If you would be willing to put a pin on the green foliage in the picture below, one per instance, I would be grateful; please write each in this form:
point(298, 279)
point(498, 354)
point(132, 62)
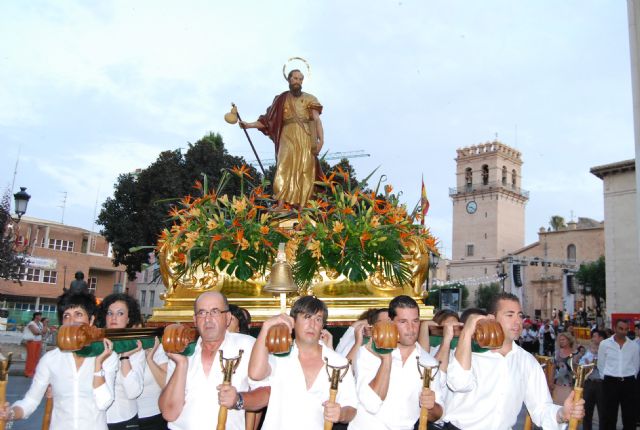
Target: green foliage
point(557, 223)
point(486, 293)
point(593, 276)
point(11, 261)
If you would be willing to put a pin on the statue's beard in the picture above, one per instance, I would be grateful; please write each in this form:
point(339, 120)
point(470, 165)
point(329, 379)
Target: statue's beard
point(296, 89)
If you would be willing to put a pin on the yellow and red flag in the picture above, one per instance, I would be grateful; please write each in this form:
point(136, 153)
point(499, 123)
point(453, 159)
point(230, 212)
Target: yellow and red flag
point(424, 202)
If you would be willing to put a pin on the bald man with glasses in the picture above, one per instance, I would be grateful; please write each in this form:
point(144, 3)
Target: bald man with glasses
point(194, 391)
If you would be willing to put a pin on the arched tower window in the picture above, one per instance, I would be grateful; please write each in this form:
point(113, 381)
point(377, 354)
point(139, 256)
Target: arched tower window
point(571, 252)
point(504, 175)
point(514, 176)
point(485, 174)
point(468, 177)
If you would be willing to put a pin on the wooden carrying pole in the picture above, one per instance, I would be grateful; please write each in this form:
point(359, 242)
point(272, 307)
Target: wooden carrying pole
point(335, 377)
point(229, 366)
point(48, 409)
point(427, 376)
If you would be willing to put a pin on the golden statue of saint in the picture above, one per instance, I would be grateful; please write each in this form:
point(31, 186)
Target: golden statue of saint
point(293, 123)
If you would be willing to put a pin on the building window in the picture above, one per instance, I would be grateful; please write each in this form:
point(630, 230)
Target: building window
point(571, 252)
point(61, 245)
point(32, 275)
point(143, 298)
point(469, 250)
point(485, 174)
point(468, 177)
point(50, 277)
point(513, 178)
point(152, 298)
point(504, 175)
point(93, 284)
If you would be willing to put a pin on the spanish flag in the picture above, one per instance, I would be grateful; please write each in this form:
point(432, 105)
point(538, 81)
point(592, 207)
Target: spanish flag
point(424, 202)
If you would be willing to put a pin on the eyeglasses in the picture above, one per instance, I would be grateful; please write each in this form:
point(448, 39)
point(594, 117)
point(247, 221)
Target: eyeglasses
point(215, 312)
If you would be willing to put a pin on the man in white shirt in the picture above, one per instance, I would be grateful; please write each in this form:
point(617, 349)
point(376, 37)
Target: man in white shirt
point(592, 393)
point(188, 399)
point(490, 387)
point(389, 385)
point(618, 363)
point(82, 387)
point(299, 381)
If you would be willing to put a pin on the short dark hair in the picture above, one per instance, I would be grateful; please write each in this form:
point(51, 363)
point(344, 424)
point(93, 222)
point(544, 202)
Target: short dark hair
point(493, 305)
point(373, 317)
point(291, 73)
point(70, 300)
point(471, 311)
point(133, 309)
point(401, 302)
point(369, 315)
point(309, 305)
point(243, 323)
point(601, 333)
point(443, 314)
point(622, 321)
point(35, 314)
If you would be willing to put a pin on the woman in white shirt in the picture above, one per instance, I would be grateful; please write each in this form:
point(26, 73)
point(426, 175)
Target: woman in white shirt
point(122, 311)
point(82, 387)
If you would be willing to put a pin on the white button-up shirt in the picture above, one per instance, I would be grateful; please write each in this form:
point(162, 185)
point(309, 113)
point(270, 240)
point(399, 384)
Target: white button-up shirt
point(148, 400)
point(347, 341)
point(490, 394)
point(401, 407)
point(201, 405)
point(616, 361)
point(291, 405)
point(127, 390)
point(76, 404)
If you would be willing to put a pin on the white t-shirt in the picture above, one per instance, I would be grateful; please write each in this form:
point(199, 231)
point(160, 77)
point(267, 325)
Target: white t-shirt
point(127, 390)
point(491, 393)
point(76, 404)
point(401, 407)
point(201, 405)
point(291, 405)
point(148, 400)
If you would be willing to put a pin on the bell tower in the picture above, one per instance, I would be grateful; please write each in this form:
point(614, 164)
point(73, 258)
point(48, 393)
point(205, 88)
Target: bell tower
point(488, 210)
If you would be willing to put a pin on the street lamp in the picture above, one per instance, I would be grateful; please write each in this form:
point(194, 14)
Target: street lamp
point(434, 259)
point(21, 202)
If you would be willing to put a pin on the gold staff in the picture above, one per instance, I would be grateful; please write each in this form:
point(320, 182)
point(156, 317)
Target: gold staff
point(582, 373)
point(229, 366)
point(4, 378)
point(336, 376)
point(427, 377)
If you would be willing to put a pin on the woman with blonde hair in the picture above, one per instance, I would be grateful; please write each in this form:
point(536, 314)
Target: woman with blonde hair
point(564, 361)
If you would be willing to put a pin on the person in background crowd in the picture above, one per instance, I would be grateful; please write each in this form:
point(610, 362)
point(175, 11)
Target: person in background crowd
point(32, 335)
point(239, 321)
point(547, 337)
point(619, 363)
point(563, 378)
point(348, 339)
point(593, 385)
point(528, 338)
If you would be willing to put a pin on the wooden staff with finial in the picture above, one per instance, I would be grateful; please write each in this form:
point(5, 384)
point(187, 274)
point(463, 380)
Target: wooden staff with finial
point(4, 379)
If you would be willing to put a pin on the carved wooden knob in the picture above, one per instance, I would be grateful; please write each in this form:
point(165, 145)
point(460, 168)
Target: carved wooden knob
point(385, 335)
point(489, 334)
point(278, 339)
point(177, 337)
point(74, 337)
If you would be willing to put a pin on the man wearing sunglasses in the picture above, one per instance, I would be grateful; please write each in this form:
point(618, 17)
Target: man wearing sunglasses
point(194, 391)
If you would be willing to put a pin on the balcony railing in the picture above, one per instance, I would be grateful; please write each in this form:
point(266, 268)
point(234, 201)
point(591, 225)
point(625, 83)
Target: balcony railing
point(491, 186)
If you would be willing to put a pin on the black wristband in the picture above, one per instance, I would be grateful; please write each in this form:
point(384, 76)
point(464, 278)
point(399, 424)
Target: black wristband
point(124, 358)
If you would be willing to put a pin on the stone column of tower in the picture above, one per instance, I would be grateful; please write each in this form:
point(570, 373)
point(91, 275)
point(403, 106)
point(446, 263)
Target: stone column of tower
point(488, 212)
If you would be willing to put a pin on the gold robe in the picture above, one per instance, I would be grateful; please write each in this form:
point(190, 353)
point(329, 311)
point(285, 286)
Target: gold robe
point(295, 171)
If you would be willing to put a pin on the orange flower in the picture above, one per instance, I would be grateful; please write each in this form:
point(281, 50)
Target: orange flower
point(226, 255)
point(212, 224)
point(375, 221)
point(252, 213)
point(197, 185)
point(181, 257)
point(348, 211)
point(388, 189)
point(216, 237)
point(244, 244)
point(241, 171)
point(314, 247)
point(236, 223)
point(343, 244)
point(338, 227)
point(364, 237)
point(239, 204)
point(258, 192)
point(264, 229)
point(343, 173)
point(381, 206)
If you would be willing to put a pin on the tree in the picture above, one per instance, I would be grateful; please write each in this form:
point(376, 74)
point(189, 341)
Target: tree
point(592, 278)
point(557, 223)
point(11, 261)
point(138, 210)
point(433, 299)
point(486, 293)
